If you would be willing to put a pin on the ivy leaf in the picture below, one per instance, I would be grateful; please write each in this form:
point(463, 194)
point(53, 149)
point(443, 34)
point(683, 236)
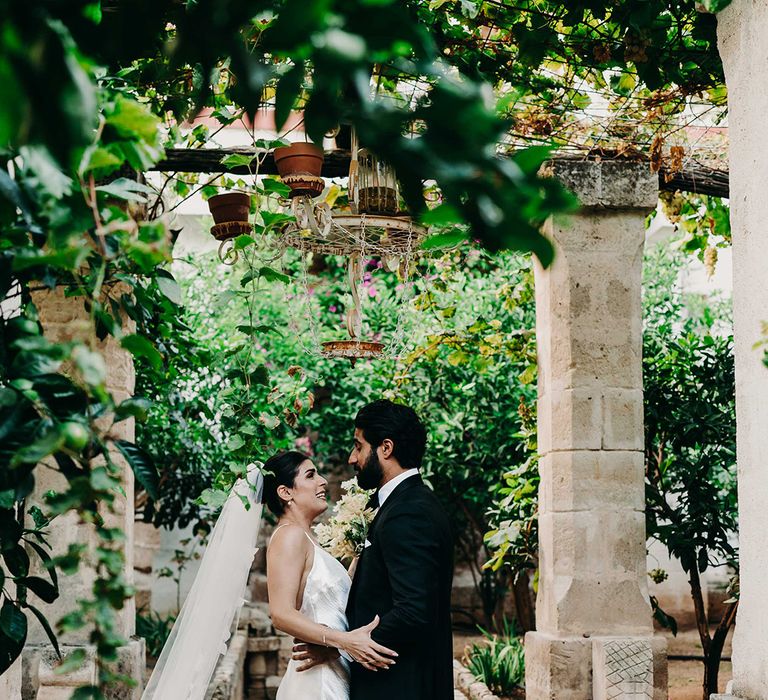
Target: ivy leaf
point(133, 120)
point(273, 218)
point(235, 160)
point(17, 560)
point(142, 466)
point(273, 186)
point(272, 275)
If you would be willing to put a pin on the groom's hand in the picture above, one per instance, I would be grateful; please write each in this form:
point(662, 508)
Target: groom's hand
point(312, 654)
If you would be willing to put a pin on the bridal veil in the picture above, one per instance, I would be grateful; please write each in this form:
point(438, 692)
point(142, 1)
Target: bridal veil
point(203, 627)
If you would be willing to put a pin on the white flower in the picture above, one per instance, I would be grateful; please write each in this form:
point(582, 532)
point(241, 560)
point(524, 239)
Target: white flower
point(344, 533)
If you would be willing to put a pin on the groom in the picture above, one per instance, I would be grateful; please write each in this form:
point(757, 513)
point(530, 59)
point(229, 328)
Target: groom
point(404, 573)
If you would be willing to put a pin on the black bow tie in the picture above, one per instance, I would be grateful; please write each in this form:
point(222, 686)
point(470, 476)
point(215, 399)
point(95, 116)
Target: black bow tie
point(373, 501)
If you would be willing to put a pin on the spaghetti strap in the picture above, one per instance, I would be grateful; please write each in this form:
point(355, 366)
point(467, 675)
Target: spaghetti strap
point(311, 541)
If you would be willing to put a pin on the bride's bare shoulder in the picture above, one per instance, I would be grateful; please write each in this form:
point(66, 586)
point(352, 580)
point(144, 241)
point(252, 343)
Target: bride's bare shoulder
point(289, 538)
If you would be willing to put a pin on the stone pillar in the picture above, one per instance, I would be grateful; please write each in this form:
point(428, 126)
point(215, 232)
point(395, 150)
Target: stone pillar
point(10, 682)
point(63, 319)
point(594, 633)
point(743, 39)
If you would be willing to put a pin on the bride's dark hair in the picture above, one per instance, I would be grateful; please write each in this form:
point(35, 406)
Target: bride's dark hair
point(280, 470)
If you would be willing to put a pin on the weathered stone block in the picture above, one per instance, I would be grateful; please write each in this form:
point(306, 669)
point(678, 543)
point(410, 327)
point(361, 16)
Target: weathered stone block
point(621, 184)
point(557, 668)
point(592, 573)
point(570, 420)
point(591, 480)
point(623, 419)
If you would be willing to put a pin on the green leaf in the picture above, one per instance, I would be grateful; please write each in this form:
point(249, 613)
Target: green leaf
point(170, 288)
point(17, 561)
point(71, 662)
point(449, 239)
point(126, 189)
point(13, 622)
point(136, 407)
point(715, 5)
point(235, 443)
point(41, 588)
point(91, 365)
point(133, 120)
point(256, 330)
point(139, 346)
point(46, 626)
point(273, 186)
point(98, 158)
point(288, 90)
point(243, 241)
point(272, 275)
point(45, 558)
point(51, 441)
point(272, 218)
point(441, 216)
point(142, 466)
point(235, 160)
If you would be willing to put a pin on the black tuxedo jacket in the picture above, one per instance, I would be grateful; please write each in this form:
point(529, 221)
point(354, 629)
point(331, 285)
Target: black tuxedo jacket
point(405, 578)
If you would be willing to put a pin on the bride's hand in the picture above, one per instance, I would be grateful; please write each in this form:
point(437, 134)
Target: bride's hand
point(359, 645)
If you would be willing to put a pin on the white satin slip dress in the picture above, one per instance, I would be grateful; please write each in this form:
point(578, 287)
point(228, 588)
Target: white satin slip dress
point(325, 600)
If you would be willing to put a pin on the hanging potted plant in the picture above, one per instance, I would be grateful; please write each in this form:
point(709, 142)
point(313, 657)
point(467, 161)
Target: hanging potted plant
point(299, 166)
point(230, 206)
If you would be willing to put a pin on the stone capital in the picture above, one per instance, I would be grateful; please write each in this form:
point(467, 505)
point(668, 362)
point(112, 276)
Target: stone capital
point(611, 184)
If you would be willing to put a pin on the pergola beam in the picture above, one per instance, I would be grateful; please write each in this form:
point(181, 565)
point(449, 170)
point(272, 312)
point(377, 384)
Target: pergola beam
point(698, 179)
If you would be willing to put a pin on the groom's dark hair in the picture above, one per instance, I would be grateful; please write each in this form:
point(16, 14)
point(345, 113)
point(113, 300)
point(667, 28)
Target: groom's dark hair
point(383, 420)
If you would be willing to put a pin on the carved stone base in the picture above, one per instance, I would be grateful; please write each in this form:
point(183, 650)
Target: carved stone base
point(622, 669)
point(41, 682)
point(595, 668)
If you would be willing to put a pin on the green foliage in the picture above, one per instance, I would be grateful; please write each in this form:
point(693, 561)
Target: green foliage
point(499, 661)
point(690, 428)
point(68, 240)
point(705, 222)
point(155, 629)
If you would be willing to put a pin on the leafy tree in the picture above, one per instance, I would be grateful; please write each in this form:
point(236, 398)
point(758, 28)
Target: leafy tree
point(690, 439)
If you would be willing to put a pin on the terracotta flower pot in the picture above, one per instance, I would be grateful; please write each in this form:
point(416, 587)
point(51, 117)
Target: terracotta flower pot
point(299, 159)
point(299, 166)
point(232, 206)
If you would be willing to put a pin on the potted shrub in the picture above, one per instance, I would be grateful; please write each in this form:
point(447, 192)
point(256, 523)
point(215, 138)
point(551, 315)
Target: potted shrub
point(300, 165)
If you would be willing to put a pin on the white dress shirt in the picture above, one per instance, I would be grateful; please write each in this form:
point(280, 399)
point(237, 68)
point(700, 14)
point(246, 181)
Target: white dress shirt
point(386, 490)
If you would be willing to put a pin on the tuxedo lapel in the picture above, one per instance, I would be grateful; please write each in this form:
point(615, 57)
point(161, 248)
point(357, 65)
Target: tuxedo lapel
point(400, 489)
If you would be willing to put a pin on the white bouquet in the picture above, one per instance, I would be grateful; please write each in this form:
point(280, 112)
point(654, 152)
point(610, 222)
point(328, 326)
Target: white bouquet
point(345, 532)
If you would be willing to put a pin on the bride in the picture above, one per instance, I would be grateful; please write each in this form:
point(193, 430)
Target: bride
point(307, 589)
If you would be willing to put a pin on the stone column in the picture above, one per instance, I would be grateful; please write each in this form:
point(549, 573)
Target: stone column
point(743, 39)
point(594, 633)
point(63, 319)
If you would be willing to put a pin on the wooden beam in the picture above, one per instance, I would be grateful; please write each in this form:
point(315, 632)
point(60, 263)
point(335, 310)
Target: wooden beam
point(208, 160)
point(698, 179)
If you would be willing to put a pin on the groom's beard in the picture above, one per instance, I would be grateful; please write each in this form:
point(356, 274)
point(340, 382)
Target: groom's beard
point(371, 474)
